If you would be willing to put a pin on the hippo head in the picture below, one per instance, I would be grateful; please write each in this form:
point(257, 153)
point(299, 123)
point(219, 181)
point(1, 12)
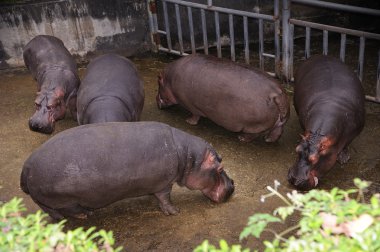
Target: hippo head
point(211, 179)
point(50, 107)
point(165, 97)
point(316, 156)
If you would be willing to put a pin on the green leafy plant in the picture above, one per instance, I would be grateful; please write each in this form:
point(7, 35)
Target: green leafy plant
point(336, 220)
point(33, 233)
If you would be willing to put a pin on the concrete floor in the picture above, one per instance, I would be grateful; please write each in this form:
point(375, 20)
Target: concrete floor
point(138, 224)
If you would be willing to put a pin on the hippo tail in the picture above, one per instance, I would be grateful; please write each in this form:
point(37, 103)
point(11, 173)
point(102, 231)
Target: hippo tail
point(282, 103)
point(23, 179)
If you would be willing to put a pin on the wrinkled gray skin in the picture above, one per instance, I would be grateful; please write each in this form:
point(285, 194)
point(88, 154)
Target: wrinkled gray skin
point(236, 97)
point(55, 71)
point(329, 101)
point(111, 91)
point(94, 165)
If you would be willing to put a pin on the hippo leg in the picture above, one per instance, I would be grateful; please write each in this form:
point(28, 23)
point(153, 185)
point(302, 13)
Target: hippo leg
point(273, 135)
point(165, 202)
point(193, 120)
point(72, 104)
point(276, 131)
point(343, 156)
point(75, 211)
point(247, 137)
point(52, 213)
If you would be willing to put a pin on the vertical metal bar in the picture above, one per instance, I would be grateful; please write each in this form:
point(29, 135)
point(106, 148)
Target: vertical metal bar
point(342, 53)
point(361, 58)
point(261, 44)
point(285, 38)
point(204, 30)
point(209, 3)
point(150, 22)
point(277, 48)
point(291, 50)
point(190, 15)
point(378, 76)
point(152, 13)
point(217, 30)
point(246, 39)
point(179, 28)
point(325, 42)
point(307, 43)
point(167, 26)
point(232, 36)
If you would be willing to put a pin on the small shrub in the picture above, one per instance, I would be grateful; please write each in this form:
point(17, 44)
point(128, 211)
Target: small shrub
point(338, 220)
point(32, 233)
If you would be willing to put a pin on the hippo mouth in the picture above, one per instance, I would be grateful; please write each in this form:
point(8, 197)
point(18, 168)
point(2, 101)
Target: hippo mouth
point(42, 128)
point(304, 183)
point(222, 190)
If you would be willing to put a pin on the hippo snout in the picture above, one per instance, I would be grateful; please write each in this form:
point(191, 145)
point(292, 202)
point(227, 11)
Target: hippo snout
point(39, 127)
point(230, 188)
point(302, 183)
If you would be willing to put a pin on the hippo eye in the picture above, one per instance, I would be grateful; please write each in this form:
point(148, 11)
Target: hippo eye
point(49, 107)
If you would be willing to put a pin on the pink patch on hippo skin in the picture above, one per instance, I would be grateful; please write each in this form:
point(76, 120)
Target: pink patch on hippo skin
point(193, 120)
point(313, 179)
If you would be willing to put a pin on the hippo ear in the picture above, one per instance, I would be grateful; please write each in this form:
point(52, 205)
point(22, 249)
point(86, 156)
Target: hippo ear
point(209, 160)
point(59, 93)
point(325, 143)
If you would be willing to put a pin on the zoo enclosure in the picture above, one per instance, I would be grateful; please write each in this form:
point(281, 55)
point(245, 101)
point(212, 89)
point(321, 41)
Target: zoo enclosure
point(283, 59)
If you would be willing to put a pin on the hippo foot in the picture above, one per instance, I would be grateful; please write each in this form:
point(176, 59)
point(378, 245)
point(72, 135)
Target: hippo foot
point(82, 216)
point(169, 209)
point(343, 156)
point(247, 137)
point(165, 202)
point(193, 120)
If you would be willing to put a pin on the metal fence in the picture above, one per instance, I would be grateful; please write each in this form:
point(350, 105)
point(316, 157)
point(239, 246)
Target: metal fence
point(289, 23)
point(283, 62)
point(208, 8)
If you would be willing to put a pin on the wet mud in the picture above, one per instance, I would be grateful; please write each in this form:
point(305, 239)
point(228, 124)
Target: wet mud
point(138, 224)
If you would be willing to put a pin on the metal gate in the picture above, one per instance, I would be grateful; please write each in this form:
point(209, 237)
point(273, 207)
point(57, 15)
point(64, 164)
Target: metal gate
point(283, 62)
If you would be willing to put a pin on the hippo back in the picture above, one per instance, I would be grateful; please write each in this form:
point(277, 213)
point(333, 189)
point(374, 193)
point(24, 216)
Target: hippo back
point(45, 53)
point(232, 95)
point(131, 155)
point(110, 79)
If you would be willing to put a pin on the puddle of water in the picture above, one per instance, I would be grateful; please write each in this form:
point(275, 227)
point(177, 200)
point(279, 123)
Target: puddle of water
point(138, 223)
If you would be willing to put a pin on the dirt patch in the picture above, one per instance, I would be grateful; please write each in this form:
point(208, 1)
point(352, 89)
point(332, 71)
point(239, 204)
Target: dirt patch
point(138, 224)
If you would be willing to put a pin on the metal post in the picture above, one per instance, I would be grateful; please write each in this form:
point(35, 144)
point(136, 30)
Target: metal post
point(190, 15)
point(378, 77)
point(325, 42)
point(232, 36)
point(179, 28)
point(285, 38)
point(204, 31)
point(307, 43)
point(153, 25)
point(291, 50)
point(342, 47)
point(277, 48)
point(217, 30)
point(246, 39)
point(167, 26)
point(261, 44)
point(361, 58)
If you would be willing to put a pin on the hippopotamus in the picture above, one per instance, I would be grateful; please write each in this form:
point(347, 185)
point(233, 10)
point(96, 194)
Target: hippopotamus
point(93, 165)
point(234, 96)
point(111, 91)
point(329, 100)
point(55, 71)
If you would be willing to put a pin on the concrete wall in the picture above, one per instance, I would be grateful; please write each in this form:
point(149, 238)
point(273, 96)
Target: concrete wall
point(85, 26)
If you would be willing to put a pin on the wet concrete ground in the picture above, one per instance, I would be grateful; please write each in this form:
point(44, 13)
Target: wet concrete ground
point(138, 224)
